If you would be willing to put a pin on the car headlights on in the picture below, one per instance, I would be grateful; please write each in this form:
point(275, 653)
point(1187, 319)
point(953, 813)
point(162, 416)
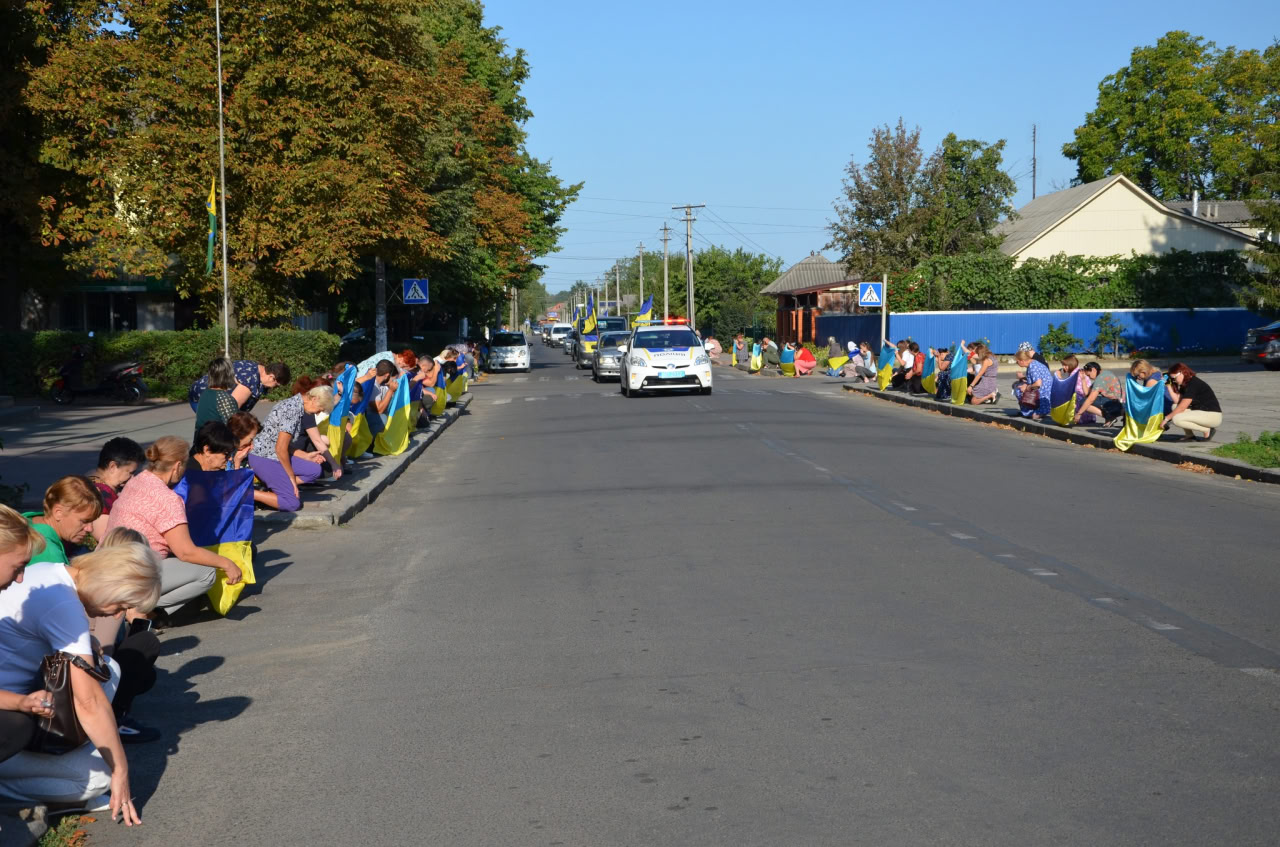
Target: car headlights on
point(704, 359)
point(637, 361)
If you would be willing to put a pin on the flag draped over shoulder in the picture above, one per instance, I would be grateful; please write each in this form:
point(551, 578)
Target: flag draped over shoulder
point(959, 376)
point(220, 519)
point(1143, 414)
point(336, 429)
point(361, 433)
point(884, 368)
point(929, 376)
point(646, 312)
point(394, 438)
point(1062, 399)
point(213, 225)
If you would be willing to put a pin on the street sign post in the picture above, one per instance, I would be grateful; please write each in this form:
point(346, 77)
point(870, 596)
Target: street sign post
point(414, 292)
point(871, 294)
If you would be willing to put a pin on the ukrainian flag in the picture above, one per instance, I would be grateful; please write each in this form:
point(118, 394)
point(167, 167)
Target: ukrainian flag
point(336, 428)
point(835, 363)
point(394, 438)
point(884, 374)
point(457, 387)
point(1062, 399)
point(213, 225)
point(220, 519)
point(960, 376)
point(442, 396)
point(361, 432)
point(1143, 414)
point(589, 322)
point(929, 376)
point(757, 358)
point(646, 312)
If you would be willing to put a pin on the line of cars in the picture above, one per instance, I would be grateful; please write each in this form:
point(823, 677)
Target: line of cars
point(654, 356)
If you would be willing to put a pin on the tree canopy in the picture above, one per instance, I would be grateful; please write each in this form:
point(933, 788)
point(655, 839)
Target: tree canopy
point(1184, 115)
point(388, 127)
point(899, 208)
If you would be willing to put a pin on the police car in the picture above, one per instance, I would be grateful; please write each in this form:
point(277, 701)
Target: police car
point(664, 356)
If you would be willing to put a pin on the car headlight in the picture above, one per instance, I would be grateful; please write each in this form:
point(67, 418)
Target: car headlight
point(704, 359)
point(637, 362)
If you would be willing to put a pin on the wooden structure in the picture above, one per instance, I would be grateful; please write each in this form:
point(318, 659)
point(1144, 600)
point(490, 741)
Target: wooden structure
point(811, 287)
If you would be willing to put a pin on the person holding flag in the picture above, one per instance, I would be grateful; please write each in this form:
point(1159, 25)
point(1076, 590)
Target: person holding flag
point(959, 371)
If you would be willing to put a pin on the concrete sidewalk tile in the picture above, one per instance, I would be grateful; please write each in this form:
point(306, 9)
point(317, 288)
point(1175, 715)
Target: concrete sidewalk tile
point(1076, 435)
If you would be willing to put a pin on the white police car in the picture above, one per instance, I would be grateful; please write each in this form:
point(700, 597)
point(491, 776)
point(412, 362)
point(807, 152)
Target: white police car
point(664, 356)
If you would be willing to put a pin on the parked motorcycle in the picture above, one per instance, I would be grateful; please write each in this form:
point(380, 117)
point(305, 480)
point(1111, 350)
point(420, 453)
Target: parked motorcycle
point(121, 381)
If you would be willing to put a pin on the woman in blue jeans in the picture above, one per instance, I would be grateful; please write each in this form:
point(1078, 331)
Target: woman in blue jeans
point(273, 457)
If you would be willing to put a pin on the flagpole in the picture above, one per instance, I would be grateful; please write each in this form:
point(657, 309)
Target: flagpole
point(222, 185)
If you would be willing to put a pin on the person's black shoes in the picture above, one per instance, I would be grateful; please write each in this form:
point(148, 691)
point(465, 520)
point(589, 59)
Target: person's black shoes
point(132, 732)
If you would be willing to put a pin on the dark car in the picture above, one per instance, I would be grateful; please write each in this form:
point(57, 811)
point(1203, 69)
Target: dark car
point(1262, 346)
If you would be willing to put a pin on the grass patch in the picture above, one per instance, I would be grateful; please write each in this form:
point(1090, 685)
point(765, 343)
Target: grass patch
point(1263, 453)
point(68, 833)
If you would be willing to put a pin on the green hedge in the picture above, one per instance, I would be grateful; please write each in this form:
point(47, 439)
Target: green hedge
point(171, 361)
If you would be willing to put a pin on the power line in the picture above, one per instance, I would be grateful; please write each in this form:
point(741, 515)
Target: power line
point(716, 217)
point(721, 205)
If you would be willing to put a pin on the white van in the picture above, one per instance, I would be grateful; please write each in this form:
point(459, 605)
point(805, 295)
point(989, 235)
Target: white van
point(558, 332)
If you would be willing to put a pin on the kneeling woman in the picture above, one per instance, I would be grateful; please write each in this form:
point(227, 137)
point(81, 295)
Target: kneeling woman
point(273, 457)
point(1196, 410)
point(48, 612)
point(149, 505)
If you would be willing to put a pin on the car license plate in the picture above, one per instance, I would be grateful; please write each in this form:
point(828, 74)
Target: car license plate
point(671, 375)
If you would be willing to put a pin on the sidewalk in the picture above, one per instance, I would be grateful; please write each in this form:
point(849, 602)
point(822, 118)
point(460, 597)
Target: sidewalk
point(66, 440)
point(1249, 396)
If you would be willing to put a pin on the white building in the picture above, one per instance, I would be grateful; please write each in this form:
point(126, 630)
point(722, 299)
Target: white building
point(1111, 217)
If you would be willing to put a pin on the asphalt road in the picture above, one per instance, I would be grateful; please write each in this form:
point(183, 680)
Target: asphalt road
point(778, 615)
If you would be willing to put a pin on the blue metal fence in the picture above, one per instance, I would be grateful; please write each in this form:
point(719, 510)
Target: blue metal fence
point(1167, 330)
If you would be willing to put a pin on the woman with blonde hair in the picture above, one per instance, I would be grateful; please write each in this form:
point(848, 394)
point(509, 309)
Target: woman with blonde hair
point(274, 458)
point(984, 387)
point(48, 612)
point(149, 505)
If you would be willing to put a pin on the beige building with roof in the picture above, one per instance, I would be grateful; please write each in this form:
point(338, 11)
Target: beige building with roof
point(1109, 217)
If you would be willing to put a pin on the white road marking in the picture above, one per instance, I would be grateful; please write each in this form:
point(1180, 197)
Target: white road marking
point(571, 378)
point(521, 379)
point(960, 535)
point(533, 399)
point(903, 506)
point(1041, 572)
point(502, 402)
point(821, 470)
point(1155, 624)
point(1005, 556)
point(1107, 600)
point(1263, 673)
point(544, 379)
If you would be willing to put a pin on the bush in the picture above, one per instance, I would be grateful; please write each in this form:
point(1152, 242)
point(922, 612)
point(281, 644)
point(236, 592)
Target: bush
point(1058, 341)
point(171, 361)
point(1110, 334)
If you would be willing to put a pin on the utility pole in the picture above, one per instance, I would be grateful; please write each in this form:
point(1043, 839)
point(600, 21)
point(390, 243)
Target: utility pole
point(666, 285)
point(1033, 161)
point(379, 304)
point(617, 289)
point(688, 259)
point(222, 184)
point(641, 275)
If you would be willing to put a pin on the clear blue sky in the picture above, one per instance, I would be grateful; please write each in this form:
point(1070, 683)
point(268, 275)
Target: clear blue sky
point(751, 104)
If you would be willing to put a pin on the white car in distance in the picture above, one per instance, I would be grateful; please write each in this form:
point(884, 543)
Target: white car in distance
point(509, 351)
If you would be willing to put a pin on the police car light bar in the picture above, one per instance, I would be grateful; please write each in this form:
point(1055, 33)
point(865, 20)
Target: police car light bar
point(665, 321)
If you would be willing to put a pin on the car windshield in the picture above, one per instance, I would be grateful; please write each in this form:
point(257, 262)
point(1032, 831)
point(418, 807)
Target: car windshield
point(661, 339)
point(612, 324)
point(612, 340)
point(508, 339)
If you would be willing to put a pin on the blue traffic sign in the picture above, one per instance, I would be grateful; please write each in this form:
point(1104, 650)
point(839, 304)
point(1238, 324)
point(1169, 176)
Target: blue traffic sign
point(871, 294)
point(415, 291)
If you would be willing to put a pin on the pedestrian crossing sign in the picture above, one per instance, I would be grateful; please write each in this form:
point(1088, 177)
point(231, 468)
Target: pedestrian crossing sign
point(870, 294)
point(415, 291)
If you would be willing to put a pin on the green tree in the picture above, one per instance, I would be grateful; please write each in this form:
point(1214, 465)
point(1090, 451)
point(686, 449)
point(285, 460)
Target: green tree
point(966, 194)
point(1184, 116)
point(1264, 290)
point(881, 214)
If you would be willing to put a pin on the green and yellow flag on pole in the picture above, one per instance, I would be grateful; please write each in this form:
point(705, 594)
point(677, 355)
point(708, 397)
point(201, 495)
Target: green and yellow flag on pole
point(213, 224)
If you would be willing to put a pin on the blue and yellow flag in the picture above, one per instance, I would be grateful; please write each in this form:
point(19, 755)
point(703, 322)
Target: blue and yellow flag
point(1143, 414)
point(213, 225)
point(929, 376)
point(1062, 399)
point(646, 312)
point(394, 437)
point(960, 376)
point(220, 519)
point(884, 372)
point(589, 322)
point(343, 406)
point(757, 359)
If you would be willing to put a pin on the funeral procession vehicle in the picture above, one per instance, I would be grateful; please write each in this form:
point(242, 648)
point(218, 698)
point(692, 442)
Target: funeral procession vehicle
point(664, 356)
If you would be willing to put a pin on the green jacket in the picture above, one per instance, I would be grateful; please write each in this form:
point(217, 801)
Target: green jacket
point(53, 550)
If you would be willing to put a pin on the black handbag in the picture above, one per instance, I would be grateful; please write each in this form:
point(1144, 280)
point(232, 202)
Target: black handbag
point(61, 732)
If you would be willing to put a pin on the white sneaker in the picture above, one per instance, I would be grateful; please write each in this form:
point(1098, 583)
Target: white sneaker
point(366, 455)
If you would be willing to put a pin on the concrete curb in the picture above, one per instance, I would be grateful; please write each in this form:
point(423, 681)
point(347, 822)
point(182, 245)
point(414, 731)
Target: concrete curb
point(1072, 435)
point(388, 470)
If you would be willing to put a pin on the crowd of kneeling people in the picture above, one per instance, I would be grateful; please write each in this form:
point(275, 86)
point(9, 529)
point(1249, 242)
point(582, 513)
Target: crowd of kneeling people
point(91, 577)
point(1189, 402)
